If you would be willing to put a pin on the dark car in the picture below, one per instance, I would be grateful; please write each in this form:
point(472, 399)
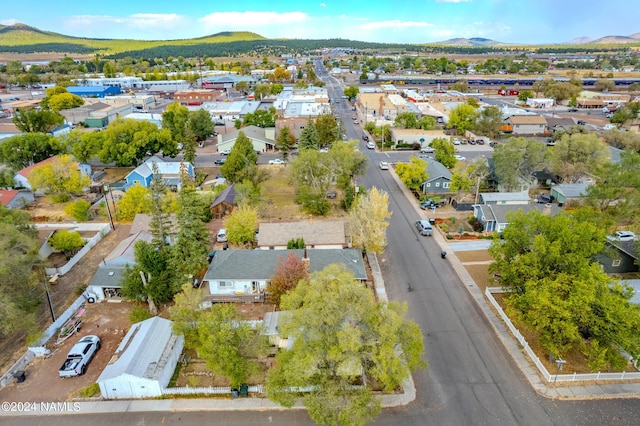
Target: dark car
point(365, 137)
point(582, 123)
point(573, 110)
point(430, 204)
point(219, 161)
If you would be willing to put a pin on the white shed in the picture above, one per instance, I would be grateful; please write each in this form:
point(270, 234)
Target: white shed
point(144, 362)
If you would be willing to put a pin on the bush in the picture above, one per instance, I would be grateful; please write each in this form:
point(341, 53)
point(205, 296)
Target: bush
point(79, 210)
point(139, 313)
point(449, 237)
point(90, 391)
point(476, 224)
point(80, 289)
point(453, 220)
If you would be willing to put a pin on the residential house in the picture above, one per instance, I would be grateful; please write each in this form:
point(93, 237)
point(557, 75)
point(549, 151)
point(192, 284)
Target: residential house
point(569, 192)
point(243, 275)
point(413, 136)
point(504, 198)
point(494, 216)
point(272, 322)
point(144, 362)
point(319, 234)
point(527, 124)
point(106, 283)
point(15, 199)
point(224, 203)
point(124, 253)
point(540, 102)
point(619, 257)
point(262, 139)
point(560, 124)
point(170, 171)
point(439, 178)
point(142, 222)
point(21, 178)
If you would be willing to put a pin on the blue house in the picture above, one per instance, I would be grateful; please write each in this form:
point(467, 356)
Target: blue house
point(170, 172)
point(439, 178)
point(94, 91)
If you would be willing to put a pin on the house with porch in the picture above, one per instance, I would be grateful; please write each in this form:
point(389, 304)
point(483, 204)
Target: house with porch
point(494, 216)
point(170, 171)
point(243, 275)
point(439, 178)
point(527, 124)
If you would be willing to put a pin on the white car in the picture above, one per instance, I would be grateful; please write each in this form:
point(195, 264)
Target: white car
point(623, 236)
point(456, 141)
point(384, 165)
point(460, 157)
point(325, 150)
point(222, 236)
point(427, 150)
point(371, 145)
point(356, 122)
point(276, 161)
point(225, 151)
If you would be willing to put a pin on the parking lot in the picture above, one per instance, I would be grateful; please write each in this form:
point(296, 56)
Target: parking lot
point(109, 321)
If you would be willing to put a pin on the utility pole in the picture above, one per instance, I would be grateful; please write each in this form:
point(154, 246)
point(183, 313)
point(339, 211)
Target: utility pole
point(46, 290)
point(106, 202)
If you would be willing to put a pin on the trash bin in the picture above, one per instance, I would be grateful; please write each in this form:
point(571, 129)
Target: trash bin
point(234, 393)
point(19, 376)
point(244, 391)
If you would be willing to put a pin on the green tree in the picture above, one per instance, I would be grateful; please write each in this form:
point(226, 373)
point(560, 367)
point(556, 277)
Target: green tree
point(228, 344)
point(261, 91)
point(462, 118)
point(79, 210)
point(561, 91)
point(288, 273)
point(126, 142)
point(59, 178)
point(461, 86)
point(311, 169)
point(426, 123)
point(84, 146)
point(135, 200)
point(175, 119)
point(285, 141)
point(261, 118)
point(68, 242)
point(351, 92)
point(160, 200)
point(189, 253)
point(241, 161)
point(413, 174)
point(64, 101)
point(242, 224)
point(22, 151)
point(340, 333)
point(406, 120)
point(489, 122)
point(309, 137)
point(578, 154)
point(200, 124)
point(187, 313)
point(346, 162)
point(37, 121)
point(445, 152)
point(525, 94)
point(517, 160)
point(368, 221)
point(556, 287)
point(604, 85)
point(327, 129)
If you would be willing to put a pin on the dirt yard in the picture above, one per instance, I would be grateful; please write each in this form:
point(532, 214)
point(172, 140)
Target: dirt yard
point(109, 321)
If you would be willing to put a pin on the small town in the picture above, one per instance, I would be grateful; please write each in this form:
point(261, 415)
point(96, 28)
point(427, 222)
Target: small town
point(314, 233)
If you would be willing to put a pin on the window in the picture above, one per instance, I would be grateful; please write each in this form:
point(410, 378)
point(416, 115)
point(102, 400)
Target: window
point(437, 184)
point(225, 284)
point(616, 262)
point(446, 184)
point(428, 185)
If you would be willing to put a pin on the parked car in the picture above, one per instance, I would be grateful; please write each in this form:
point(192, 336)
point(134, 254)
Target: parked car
point(472, 141)
point(623, 236)
point(456, 141)
point(544, 199)
point(365, 138)
point(225, 151)
point(384, 165)
point(427, 150)
point(460, 157)
point(371, 145)
point(430, 204)
point(480, 141)
point(573, 110)
point(581, 123)
point(424, 227)
point(356, 122)
point(277, 161)
point(219, 161)
point(222, 236)
point(80, 356)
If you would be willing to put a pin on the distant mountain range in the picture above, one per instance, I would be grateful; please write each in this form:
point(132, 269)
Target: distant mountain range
point(485, 42)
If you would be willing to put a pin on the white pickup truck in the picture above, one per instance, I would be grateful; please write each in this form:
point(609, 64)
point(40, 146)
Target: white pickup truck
point(80, 356)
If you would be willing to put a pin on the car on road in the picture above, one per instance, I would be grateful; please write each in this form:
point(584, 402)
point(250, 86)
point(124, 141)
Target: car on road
point(424, 227)
point(225, 151)
point(581, 123)
point(424, 157)
point(623, 236)
point(384, 165)
point(460, 157)
point(365, 138)
point(427, 150)
point(573, 110)
point(356, 122)
point(456, 141)
point(371, 145)
point(219, 161)
point(80, 356)
point(277, 161)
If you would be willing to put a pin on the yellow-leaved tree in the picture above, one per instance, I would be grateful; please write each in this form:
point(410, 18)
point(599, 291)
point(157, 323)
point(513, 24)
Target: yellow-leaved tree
point(368, 221)
point(60, 179)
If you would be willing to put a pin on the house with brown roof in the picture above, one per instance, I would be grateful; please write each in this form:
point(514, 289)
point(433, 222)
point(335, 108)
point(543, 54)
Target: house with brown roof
point(21, 178)
point(527, 124)
point(14, 199)
point(142, 222)
point(224, 202)
point(319, 234)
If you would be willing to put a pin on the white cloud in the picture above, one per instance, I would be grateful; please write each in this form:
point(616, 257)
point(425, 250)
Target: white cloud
point(9, 21)
point(323, 5)
point(143, 25)
point(221, 21)
point(393, 24)
point(453, 1)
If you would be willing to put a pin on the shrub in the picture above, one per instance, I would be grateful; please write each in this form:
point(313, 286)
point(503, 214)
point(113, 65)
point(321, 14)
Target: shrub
point(453, 220)
point(449, 237)
point(79, 210)
point(89, 391)
point(80, 289)
point(139, 313)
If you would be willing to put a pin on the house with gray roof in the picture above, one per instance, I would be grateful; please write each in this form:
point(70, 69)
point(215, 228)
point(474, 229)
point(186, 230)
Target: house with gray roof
point(619, 257)
point(247, 273)
point(262, 139)
point(494, 216)
point(124, 254)
point(224, 203)
point(504, 198)
point(144, 362)
point(106, 283)
point(170, 171)
point(439, 178)
point(569, 192)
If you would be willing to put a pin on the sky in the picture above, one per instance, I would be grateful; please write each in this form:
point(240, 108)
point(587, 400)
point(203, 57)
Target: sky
point(397, 21)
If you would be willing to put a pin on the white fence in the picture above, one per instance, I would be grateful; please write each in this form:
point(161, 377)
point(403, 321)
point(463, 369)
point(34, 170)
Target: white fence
point(208, 390)
point(101, 228)
point(551, 378)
